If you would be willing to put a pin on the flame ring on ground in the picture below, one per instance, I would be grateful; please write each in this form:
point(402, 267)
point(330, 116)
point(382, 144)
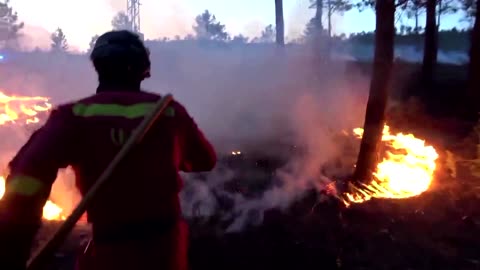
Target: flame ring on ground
point(406, 171)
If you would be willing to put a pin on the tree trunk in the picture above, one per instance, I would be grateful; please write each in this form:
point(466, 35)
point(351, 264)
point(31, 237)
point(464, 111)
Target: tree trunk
point(319, 42)
point(279, 24)
point(329, 30)
point(431, 43)
point(439, 13)
point(416, 22)
point(319, 15)
point(379, 86)
point(329, 18)
point(474, 68)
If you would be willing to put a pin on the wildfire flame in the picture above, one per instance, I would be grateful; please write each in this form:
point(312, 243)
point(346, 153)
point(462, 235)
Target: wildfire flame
point(51, 211)
point(25, 110)
point(406, 171)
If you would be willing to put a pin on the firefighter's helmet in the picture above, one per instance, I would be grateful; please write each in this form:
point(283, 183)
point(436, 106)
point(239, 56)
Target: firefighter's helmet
point(121, 53)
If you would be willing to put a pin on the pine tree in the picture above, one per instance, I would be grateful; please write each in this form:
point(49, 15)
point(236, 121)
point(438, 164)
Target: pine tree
point(9, 25)
point(59, 41)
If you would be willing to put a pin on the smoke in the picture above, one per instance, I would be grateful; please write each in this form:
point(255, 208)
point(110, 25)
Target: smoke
point(166, 18)
point(409, 54)
point(316, 121)
point(250, 98)
point(33, 37)
point(254, 28)
point(297, 19)
point(254, 100)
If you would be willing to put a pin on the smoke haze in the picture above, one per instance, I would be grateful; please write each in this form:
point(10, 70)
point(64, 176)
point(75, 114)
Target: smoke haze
point(80, 20)
point(246, 98)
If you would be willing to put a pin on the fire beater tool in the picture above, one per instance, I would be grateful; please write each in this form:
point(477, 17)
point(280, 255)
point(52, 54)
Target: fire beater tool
point(41, 257)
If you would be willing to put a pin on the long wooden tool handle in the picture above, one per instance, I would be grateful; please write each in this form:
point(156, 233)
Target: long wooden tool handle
point(37, 261)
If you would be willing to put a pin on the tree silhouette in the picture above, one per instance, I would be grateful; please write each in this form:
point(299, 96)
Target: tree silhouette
point(414, 9)
point(335, 6)
point(59, 41)
point(361, 5)
point(312, 29)
point(91, 45)
point(314, 32)
point(430, 50)
point(332, 7)
point(474, 68)
point(121, 22)
point(469, 7)
point(239, 39)
point(207, 27)
point(445, 7)
point(9, 25)
point(316, 21)
point(268, 35)
point(449, 40)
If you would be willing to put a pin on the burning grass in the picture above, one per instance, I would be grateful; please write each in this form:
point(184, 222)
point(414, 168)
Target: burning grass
point(437, 230)
point(376, 231)
point(407, 169)
point(20, 111)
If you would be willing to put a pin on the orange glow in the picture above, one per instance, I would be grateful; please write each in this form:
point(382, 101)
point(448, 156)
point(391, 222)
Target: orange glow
point(21, 109)
point(51, 211)
point(406, 171)
point(25, 110)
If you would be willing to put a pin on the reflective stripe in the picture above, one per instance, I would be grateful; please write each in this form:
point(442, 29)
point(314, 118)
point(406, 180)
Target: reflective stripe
point(127, 111)
point(24, 185)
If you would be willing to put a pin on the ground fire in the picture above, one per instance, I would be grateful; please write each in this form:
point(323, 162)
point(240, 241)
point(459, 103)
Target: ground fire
point(51, 211)
point(25, 110)
point(21, 109)
point(406, 171)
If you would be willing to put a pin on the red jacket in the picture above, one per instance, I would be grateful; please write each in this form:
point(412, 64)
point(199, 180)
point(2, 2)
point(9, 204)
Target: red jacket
point(86, 135)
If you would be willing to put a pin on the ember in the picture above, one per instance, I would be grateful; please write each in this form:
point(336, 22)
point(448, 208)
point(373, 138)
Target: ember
point(25, 110)
point(406, 171)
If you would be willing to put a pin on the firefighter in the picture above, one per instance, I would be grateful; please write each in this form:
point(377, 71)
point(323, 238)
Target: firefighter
point(136, 220)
